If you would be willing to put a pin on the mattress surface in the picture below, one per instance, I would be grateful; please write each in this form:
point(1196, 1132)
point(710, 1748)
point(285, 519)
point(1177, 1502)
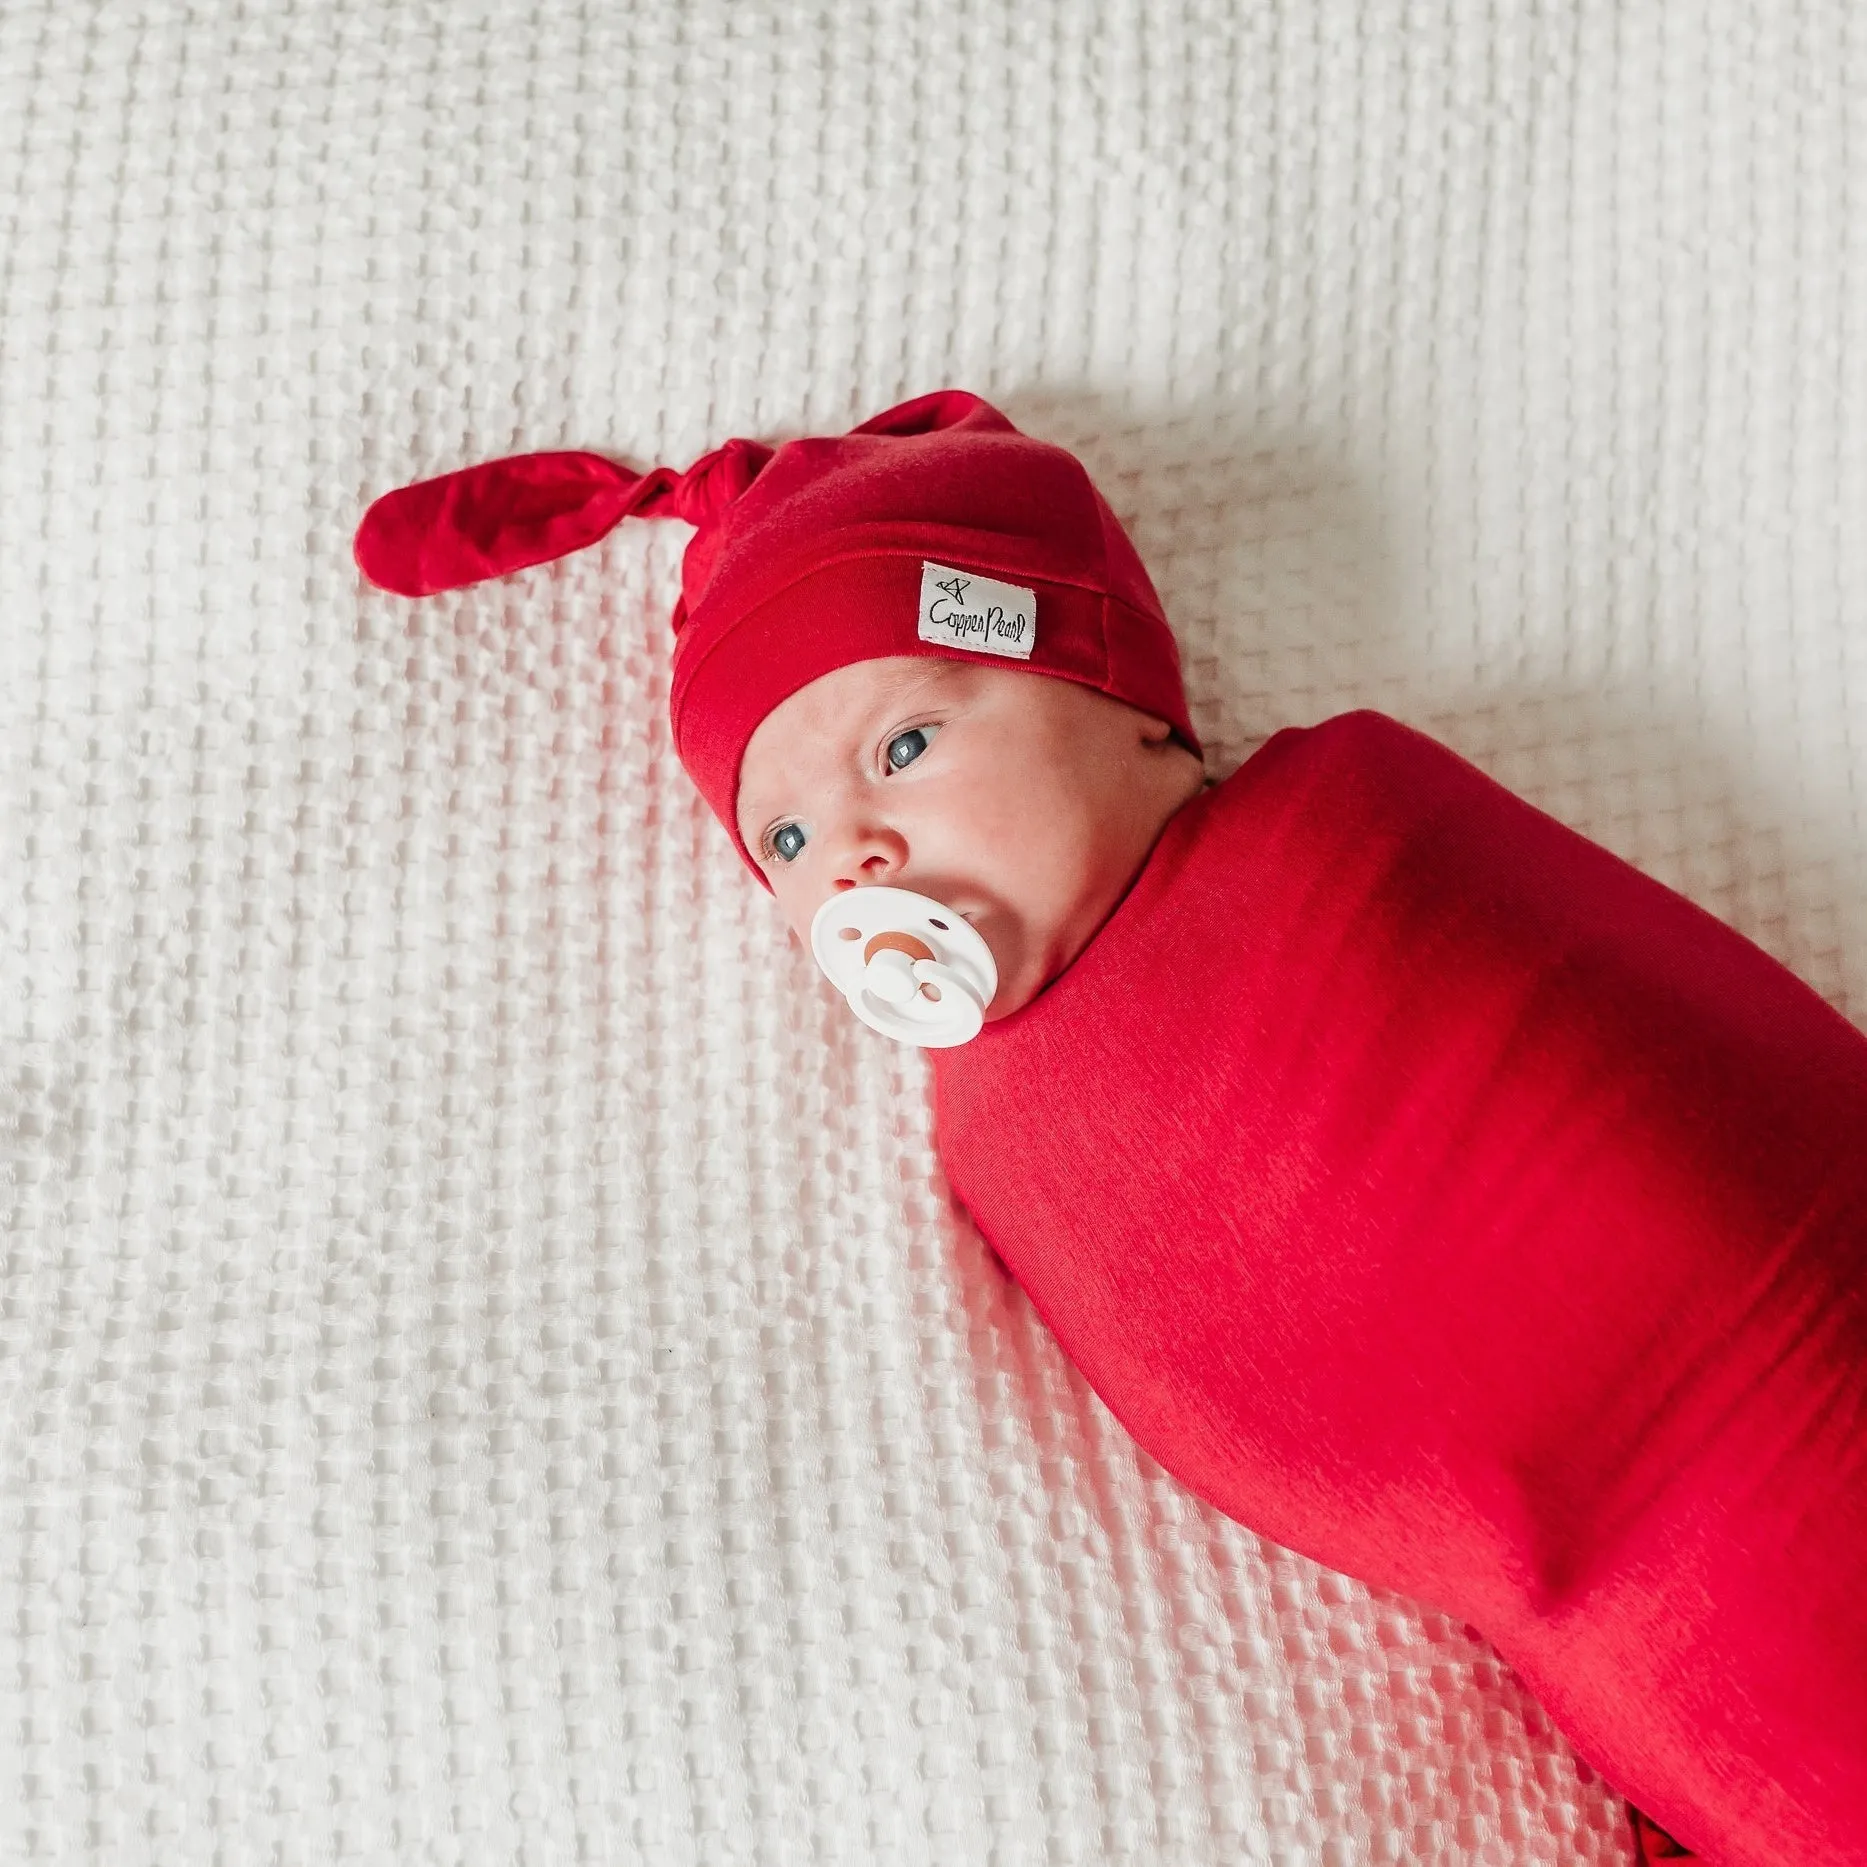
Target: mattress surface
point(490, 1370)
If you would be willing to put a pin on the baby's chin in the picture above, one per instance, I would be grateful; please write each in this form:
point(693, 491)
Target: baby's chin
point(1029, 957)
point(1012, 996)
point(1038, 929)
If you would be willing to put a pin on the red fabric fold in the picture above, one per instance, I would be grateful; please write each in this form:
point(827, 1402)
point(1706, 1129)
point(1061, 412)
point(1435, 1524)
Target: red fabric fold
point(1652, 1844)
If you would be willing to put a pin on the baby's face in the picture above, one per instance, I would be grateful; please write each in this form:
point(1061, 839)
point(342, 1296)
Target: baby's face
point(1024, 802)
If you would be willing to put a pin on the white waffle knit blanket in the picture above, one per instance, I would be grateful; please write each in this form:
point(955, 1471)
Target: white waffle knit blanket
point(489, 1371)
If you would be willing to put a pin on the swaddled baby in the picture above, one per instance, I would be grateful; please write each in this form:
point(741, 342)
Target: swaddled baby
point(1415, 1180)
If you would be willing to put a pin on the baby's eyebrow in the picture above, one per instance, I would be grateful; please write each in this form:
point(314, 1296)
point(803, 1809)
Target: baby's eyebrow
point(762, 822)
point(936, 674)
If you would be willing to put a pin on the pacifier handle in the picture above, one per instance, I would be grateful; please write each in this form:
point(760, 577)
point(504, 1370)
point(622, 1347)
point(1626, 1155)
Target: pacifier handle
point(890, 976)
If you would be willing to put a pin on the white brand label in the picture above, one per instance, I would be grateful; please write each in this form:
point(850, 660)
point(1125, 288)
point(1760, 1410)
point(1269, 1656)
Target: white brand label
point(960, 610)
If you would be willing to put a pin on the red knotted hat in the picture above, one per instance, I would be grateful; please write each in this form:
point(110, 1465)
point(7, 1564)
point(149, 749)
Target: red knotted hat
point(931, 529)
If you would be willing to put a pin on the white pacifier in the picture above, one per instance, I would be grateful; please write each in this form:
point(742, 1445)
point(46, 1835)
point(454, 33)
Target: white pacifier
point(910, 967)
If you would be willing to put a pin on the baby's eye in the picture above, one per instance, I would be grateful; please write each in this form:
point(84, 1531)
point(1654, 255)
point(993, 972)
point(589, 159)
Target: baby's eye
point(787, 841)
point(905, 748)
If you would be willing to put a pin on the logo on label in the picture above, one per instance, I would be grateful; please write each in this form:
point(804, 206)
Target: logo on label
point(960, 610)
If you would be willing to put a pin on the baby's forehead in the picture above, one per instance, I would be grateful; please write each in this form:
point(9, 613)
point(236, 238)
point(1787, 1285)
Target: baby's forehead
point(818, 721)
point(853, 692)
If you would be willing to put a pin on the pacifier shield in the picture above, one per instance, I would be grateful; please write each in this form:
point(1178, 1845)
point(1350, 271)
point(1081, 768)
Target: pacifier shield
point(910, 966)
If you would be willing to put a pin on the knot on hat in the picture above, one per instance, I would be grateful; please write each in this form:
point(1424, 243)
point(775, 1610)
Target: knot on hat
point(507, 515)
point(714, 481)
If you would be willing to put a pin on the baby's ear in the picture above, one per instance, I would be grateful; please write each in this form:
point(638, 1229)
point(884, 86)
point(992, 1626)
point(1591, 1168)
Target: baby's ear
point(1154, 732)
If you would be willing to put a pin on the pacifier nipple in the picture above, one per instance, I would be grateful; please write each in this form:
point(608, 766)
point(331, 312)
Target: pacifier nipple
point(910, 967)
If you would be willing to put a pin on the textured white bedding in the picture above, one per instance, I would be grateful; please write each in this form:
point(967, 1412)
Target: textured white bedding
point(488, 1369)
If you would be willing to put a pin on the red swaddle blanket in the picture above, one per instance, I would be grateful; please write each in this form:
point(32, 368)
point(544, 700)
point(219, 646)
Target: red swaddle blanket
point(1441, 1197)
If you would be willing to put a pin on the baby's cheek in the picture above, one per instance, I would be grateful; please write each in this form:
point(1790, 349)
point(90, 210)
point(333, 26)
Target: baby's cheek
point(1032, 862)
point(797, 905)
point(1028, 809)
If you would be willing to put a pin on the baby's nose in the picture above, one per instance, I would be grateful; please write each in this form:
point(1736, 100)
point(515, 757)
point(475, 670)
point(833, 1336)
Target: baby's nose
point(872, 857)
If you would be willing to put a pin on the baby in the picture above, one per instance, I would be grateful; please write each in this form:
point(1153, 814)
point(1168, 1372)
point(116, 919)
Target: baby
point(1415, 1180)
